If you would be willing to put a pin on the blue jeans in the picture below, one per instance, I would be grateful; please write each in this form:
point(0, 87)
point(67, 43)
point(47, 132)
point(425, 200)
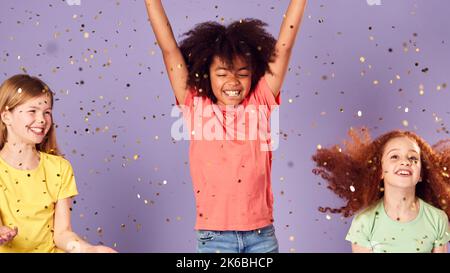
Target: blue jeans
point(261, 240)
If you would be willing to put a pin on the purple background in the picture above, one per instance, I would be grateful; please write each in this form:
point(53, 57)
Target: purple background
point(114, 103)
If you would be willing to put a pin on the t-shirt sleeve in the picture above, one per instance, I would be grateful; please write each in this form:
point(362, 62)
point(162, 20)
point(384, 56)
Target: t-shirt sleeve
point(443, 231)
point(359, 232)
point(68, 185)
point(264, 95)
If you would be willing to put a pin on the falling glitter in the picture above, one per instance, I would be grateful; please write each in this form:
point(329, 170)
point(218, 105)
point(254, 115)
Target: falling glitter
point(319, 146)
point(362, 59)
point(328, 217)
point(352, 189)
point(405, 123)
point(359, 113)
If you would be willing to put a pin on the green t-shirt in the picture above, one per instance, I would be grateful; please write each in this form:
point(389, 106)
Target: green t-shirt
point(372, 228)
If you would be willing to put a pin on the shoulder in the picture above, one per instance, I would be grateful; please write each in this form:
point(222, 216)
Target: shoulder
point(55, 161)
point(433, 214)
point(263, 94)
point(193, 97)
point(367, 215)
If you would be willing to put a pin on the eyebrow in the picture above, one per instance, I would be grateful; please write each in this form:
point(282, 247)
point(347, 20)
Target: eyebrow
point(395, 149)
point(226, 68)
point(38, 108)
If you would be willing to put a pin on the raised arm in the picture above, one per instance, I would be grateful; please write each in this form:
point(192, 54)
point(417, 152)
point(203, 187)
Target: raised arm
point(284, 45)
point(173, 59)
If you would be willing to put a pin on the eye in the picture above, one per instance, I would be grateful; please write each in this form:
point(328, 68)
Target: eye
point(394, 157)
point(32, 111)
point(243, 75)
point(413, 159)
point(221, 75)
point(48, 112)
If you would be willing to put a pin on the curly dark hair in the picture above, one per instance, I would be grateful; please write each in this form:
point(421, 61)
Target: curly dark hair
point(354, 171)
point(245, 38)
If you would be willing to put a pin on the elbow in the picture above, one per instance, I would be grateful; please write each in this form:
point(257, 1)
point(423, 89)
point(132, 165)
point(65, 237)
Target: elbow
point(169, 50)
point(60, 237)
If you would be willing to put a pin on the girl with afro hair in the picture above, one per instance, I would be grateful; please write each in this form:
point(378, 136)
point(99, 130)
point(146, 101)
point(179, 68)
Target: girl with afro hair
point(398, 185)
point(222, 75)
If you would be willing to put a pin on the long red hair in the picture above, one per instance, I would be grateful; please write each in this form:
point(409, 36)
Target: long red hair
point(353, 171)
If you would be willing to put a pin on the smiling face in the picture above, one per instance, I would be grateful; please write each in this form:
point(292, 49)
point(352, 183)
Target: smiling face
point(230, 85)
point(30, 121)
point(401, 164)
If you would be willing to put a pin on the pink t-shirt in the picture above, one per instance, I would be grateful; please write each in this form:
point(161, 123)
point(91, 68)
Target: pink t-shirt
point(230, 160)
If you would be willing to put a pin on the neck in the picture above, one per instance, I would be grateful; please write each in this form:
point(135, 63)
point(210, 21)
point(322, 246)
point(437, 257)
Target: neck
point(401, 204)
point(20, 155)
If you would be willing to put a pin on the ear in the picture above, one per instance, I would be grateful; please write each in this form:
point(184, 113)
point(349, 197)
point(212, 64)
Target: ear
point(6, 117)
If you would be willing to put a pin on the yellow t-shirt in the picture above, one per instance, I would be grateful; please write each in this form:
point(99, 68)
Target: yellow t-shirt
point(28, 199)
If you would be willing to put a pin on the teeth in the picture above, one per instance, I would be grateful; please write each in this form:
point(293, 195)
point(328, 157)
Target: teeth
point(404, 172)
point(37, 130)
point(232, 93)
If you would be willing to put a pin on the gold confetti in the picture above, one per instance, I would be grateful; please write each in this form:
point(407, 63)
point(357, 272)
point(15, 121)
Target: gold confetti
point(375, 82)
point(136, 157)
point(405, 123)
point(19, 90)
point(86, 35)
point(319, 146)
point(352, 189)
point(291, 238)
point(362, 59)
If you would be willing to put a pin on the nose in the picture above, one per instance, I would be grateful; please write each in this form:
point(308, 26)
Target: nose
point(405, 162)
point(234, 80)
point(40, 119)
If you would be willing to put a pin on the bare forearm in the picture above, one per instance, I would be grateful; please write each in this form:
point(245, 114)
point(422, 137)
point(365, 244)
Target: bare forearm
point(291, 24)
point(161, 26)
point(70, 242)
